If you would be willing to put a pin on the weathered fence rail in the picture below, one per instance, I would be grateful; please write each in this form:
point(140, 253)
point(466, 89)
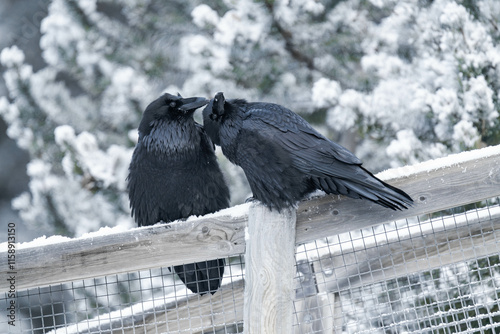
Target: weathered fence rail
point(436, 185)
point(476, 232)
point(456, 238)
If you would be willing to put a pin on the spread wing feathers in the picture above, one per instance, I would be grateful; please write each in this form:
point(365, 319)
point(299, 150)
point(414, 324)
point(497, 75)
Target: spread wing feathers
point(202, 276)
point(330, 166)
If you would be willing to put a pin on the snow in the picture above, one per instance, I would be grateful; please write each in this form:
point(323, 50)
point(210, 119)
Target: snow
point(353, 241)
point(325, 92)
point(88, 6)
point(139, 310)
point(110, 166)
point(59, 32)
point(42, 241)
point(105, 320)
point(64, 135)
point(444, 103)
point(464, 130)
point(57, 239)
point(403, 146)
point(423, 83)
point(344, 115)
point(10, 57)
point(382, 64)
point(288, 79)
point(194, 50)
point(237, 211)
point(444, 76)
point(37, 168)
point(313, 6)
point(204, 15)
point(243, 22)
point(440, 163)
point(479, 96)
point(104, 231)
point(133, 135)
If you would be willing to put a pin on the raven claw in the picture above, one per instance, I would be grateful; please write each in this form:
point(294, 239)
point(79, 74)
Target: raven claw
point(250, 200)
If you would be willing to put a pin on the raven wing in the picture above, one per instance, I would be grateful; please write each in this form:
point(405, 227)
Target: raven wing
point(311, 152)
point(328, 165)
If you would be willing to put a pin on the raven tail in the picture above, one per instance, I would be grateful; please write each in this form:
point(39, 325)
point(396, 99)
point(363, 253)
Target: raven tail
point(202, 277)
point(367, 186)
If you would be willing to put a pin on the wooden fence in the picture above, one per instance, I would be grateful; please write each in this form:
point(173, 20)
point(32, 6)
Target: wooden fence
point(435, 186)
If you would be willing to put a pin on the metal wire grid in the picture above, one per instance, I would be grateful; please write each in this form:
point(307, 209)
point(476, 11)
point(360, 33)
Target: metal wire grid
point(365, 281)
point(148, 301)
point(358, 282)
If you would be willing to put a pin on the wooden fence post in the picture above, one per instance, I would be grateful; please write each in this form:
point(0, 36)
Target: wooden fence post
point(269, 270)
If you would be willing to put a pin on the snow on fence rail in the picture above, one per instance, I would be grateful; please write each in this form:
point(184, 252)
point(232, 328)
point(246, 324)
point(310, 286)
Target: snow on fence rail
point(435, 185)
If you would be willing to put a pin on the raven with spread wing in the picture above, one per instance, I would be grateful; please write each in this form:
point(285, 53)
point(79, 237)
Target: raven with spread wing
point(284, 158)
point(174, 174)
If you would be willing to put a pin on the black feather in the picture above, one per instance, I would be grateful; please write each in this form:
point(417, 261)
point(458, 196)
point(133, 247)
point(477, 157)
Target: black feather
point(284, 158)
point(174, 174)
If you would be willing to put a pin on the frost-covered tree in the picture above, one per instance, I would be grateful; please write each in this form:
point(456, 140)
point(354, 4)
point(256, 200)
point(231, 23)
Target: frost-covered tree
point(436, 85)
point(404, 81)
point(414, 80)
point(397, 81)
point(77, 116)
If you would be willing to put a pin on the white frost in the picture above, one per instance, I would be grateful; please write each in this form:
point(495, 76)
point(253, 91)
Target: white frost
point(13, 56)
point(88, 6)
point(403, 146)
point(325, 93)
point(430, 165)
point(204, 15)
point(57, 239)
point(64, 134)
point(464, 131)
point(371, 238)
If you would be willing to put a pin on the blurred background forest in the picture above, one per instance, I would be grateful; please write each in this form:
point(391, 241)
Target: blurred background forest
point(396, 82)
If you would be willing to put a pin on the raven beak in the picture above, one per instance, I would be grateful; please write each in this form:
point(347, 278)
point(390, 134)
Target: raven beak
point(193, 103)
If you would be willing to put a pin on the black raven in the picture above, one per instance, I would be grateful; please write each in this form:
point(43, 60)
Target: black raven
point(174, 174)
point(284, 158)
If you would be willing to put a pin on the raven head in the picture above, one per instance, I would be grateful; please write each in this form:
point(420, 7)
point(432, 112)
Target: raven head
point(169, 107)
point(189, 105)
point(215, 108)
point(218, 107)
point(212, 116)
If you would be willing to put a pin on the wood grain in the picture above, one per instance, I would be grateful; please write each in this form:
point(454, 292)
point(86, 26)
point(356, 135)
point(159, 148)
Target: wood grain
point(222, 234)
point(432, 190)
point(269, 271)
point(137, 249)
point(374, 262)
point(359, 266)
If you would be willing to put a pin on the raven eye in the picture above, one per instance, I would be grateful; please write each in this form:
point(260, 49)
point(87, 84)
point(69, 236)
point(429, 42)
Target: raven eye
point(173, 104)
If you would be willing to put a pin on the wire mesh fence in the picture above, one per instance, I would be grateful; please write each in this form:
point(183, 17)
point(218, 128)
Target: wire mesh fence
point(430, 269)
point(437, 273)
point(152, 301)
point(368, 281)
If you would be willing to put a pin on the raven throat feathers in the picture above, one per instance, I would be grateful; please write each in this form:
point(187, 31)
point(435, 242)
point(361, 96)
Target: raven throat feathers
point(169, 138)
